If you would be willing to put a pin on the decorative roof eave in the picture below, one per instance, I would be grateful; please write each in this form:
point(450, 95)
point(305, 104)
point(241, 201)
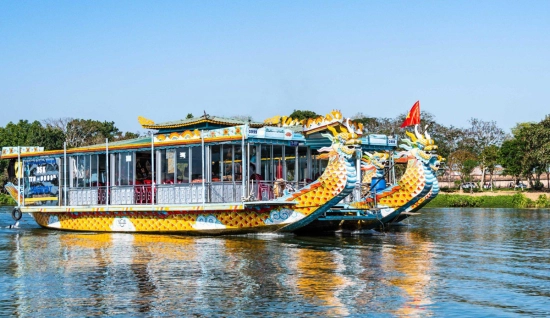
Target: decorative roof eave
point(192, 141)
point(98, 148)
point(149, 124)
point(78, 150)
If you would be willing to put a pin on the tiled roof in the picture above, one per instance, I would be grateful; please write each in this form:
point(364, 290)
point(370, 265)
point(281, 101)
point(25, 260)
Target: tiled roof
point(200, 120)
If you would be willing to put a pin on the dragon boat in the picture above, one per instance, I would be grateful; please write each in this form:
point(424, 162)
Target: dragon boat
point(205, 175)
point(377, 204)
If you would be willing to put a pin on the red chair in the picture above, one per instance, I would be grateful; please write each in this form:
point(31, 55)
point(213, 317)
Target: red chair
point(148, 194)
point(138, 194)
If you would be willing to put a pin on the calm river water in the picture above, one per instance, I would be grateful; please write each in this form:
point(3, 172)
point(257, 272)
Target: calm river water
point(446, 262)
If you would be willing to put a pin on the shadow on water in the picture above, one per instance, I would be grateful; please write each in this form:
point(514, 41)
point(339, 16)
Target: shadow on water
point(444, 262)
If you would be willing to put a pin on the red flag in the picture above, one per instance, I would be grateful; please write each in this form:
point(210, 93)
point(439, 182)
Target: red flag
point(413, 117)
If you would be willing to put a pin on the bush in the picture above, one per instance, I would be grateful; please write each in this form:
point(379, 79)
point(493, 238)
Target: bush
point(6, 199)
point(448, 190)
point(542, 202)
point(501, 201)
point(521, 201)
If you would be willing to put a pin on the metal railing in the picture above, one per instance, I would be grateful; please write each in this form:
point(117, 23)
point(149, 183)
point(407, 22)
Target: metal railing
point(190, 193)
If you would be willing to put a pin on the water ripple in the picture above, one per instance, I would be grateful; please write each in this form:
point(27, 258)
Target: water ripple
point(446, 262)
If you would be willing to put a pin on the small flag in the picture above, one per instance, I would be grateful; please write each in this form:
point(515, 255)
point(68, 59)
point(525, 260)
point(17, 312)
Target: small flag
point(413, 117)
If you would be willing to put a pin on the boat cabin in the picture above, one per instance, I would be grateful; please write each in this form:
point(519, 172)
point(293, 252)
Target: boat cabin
point(204, 160)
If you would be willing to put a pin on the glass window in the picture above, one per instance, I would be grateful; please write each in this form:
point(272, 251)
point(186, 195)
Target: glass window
point(227, 162)
point(115, 169)
point(302, 164)
point(166, 165)
point(238, 162)
point(266, 162)
point(215, 155)
point(278, 162)
point(196, 164)
point(143, 166)
point(73, 171)
point(102, 170)
point(94, 166)
point(232, 162)
point(290, 160)
point(86, 165)
point(127, 168)
point(254, 169)
point(182, 165)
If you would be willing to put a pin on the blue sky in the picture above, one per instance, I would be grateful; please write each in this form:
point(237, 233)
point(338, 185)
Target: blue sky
point(116, 60)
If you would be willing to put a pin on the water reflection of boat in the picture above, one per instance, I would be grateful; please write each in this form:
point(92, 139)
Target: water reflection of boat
point(196, 176)
point(413, 263)
point(319, 279)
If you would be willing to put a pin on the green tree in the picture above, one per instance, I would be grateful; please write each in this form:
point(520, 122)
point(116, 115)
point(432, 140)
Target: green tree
point(85, 132)
point(511, 157)
point(534, 140)
point(303, 114)
point(479, 136)
point(463, 162)
point(543, 152)
point(491, 157)
point(373, 125)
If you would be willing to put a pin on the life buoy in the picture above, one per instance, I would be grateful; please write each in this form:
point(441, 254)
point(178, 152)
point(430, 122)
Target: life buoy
point(16, 214)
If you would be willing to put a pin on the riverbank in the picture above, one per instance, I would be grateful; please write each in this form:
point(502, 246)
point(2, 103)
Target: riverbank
point(6, 199)
point(533, 195)
point(497, 199)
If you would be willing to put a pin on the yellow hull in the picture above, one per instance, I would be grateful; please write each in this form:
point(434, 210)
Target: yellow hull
point(247, 220)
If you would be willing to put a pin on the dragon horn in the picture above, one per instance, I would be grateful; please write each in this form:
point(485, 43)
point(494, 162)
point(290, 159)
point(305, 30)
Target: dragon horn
point(348, 126)
point(426, 133)
point(418, 135)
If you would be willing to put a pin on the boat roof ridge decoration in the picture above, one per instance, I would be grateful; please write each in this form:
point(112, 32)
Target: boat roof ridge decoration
point(333, 118)
point(284, 121)
point(145, 122)
point(197, 120)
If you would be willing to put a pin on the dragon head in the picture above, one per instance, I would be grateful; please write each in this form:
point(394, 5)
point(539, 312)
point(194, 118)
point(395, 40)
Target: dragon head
point(379, 160)
point(422, 147)
point(345, 139)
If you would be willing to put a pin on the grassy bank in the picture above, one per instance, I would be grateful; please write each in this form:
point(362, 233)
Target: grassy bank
point(6, 199)
point(517, 200)
point(443, 200)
